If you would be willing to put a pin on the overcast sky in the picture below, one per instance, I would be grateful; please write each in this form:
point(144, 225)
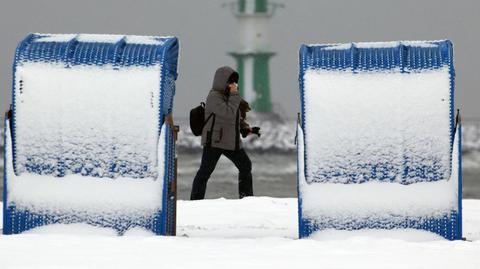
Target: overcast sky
point(207, 30)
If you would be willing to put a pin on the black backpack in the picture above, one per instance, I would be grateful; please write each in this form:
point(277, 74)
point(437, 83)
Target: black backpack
point(197, 119)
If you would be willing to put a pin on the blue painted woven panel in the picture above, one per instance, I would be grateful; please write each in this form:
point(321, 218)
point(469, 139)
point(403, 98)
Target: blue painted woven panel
point(404, 56)
point(447, 226)
point(16, 221)
point(120, 53)
point(169, 197)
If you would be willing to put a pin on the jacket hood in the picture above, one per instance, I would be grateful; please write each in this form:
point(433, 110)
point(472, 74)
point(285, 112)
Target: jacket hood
point(221, 77)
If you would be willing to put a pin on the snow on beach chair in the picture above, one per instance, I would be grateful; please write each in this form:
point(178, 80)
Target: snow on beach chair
point(89, 140)
point(378, 145)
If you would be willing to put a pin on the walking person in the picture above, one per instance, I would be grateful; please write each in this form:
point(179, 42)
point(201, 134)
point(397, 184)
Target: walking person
point(225, 114)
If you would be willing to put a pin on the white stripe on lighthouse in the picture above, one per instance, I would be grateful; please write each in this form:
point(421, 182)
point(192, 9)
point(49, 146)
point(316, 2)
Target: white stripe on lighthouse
point(250, 6)
point(249, 93)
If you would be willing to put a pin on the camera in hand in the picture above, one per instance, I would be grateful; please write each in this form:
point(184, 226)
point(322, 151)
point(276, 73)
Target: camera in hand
point(255, 130)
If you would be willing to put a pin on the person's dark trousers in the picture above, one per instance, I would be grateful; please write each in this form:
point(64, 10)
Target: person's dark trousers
point(210, 158)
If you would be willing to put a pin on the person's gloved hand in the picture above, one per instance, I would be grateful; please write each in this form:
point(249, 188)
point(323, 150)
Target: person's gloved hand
point(246, 131)
point(256, 130)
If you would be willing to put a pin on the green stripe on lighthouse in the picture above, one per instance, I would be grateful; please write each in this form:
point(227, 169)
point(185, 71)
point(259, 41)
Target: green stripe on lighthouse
point(261, 83)
point(261, 6)
point(241, 5)
point(241, 72)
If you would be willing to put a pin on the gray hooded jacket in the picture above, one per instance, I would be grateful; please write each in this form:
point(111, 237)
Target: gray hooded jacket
point(227, 121)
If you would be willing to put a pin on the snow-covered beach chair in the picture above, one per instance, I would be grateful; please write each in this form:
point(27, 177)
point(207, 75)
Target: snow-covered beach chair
point(378, 142)
point(90, 142)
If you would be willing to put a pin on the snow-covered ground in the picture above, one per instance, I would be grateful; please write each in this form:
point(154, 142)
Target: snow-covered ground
point(259, 232)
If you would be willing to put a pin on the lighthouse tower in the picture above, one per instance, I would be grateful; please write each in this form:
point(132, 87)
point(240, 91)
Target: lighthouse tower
point(253, 53)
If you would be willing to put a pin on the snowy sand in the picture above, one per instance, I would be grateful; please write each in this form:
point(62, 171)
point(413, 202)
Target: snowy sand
point(255, 232)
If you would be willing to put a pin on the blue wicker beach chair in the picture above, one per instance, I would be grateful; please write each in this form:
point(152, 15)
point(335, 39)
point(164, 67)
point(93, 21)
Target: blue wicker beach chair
point(88, 141)
point(378, 142)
